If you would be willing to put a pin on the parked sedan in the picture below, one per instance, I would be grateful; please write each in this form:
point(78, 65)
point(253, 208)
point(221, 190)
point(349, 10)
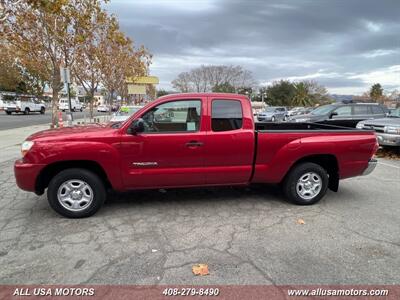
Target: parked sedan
point(273, 114)
point(387, 129)
point(103, 108)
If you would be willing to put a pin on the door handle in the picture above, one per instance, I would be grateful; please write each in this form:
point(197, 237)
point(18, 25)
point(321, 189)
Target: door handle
point(194, 144)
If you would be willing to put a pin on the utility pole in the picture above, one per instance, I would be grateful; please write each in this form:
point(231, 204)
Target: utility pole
point(66, 78)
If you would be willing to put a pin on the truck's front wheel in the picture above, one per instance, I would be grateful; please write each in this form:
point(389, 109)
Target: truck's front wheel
point(76, 193)
point(306, 184)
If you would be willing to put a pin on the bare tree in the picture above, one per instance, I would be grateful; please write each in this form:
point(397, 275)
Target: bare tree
point(205, 78)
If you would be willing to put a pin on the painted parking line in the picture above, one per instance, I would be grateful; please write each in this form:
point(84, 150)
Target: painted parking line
point(388, 165)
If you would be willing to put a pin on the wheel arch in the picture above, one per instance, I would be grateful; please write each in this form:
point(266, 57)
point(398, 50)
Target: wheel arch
point(51, 170)
point(327, 161)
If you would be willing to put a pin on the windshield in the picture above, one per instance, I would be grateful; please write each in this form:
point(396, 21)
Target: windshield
point(395, 113)
point(322, 110)
point(127, 111)
point(270, 109)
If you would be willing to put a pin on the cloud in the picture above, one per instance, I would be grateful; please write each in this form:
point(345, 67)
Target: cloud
point(273, 38)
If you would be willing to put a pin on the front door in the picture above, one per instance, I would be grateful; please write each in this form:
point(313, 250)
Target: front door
point(170, 151)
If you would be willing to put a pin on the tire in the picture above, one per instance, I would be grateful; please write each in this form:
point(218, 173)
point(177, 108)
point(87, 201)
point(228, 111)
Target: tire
point(90, 196)
point(26, 111)
point(81, 109)
point(42, 110)
point(299, 190)
point(8, 112)
point(285, 118)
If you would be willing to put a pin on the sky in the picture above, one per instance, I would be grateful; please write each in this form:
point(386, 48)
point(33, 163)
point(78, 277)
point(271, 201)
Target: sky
point(345, 45)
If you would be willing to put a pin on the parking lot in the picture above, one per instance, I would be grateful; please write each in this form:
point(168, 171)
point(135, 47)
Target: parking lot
point(245, 235)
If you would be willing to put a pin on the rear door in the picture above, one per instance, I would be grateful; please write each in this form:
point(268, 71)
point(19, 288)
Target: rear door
point(170, 152)
point(229, 146)
point(361, 112)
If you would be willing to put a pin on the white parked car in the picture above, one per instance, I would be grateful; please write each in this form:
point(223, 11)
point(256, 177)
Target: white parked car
point(124, 113)
point(24, 106)
point(75, 104)
point(103, 108)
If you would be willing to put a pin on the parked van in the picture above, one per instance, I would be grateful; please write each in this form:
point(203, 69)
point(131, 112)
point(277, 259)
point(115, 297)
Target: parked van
point(75, 104)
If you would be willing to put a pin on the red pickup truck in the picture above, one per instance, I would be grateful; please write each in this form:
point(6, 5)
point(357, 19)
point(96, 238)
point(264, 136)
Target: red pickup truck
point(189, 140)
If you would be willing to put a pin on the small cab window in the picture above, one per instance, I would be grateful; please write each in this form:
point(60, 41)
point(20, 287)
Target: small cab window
point(174, 116)
point(343, 111)
point(226, 115)
point(376, 109)
point(361, 110)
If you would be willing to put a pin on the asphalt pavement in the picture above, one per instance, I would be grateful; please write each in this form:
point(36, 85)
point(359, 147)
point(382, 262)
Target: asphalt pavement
point(21, 120)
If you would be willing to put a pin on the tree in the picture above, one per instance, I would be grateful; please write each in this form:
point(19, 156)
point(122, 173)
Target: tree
point(15, 77)
point(120, 60)
point(225, 87)
point(162, 92)
point(87, 67)
point(302, 96)
point(46, 35)
point(280, 93)
point(205, 78)
point(376, 92)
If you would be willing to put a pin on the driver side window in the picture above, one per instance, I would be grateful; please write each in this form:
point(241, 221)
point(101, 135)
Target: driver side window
point(174, 116)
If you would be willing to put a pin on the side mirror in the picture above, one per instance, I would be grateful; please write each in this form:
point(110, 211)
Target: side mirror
point(333, 114)
point(136, 127)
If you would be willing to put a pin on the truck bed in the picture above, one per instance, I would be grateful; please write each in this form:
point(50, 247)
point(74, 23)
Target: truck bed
point(288, 126)
point(280, 145)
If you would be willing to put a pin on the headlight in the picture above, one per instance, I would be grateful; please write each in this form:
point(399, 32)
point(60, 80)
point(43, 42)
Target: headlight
point(392, 130)
point(25, 147)
point(360, 126)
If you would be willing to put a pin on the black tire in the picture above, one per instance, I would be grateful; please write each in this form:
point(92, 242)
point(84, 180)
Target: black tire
point(290, 187)
point(81, 109)
point(8, 112)
point(26, 111)
point(42, 110)
point(90, 178)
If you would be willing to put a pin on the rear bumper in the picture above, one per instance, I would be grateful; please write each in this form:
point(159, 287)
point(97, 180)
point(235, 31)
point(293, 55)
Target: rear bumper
point(371, 166)
point(387, 139)
point(26, 175)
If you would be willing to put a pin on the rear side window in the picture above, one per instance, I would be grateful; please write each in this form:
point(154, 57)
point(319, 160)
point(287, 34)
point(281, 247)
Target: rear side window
point(376, 109)
point(361, 110)
point(226, 115)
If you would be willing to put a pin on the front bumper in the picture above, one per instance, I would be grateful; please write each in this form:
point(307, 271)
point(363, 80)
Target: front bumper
point(12, 109)
point(26, 175)
point(371, 166)
point(264, 118)
point(387, 139)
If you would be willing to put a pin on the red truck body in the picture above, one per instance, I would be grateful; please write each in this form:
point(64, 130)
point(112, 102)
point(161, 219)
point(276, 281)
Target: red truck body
point(201, 157)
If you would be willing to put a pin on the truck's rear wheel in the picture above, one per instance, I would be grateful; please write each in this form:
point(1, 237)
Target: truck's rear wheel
point(26, 111)
point(76, 193)
point(8, 112)
point(306, 184)
point(42, 110)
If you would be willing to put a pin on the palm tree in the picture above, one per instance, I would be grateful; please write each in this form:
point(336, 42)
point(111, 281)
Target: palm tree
point(302, 95)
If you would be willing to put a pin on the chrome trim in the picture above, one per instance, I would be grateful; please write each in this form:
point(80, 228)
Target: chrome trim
point(145, 164)
point(371, 166)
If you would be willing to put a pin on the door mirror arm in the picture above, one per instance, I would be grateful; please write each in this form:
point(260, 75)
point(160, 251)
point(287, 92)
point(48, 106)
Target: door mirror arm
point(136, 127)
point(333, 114)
